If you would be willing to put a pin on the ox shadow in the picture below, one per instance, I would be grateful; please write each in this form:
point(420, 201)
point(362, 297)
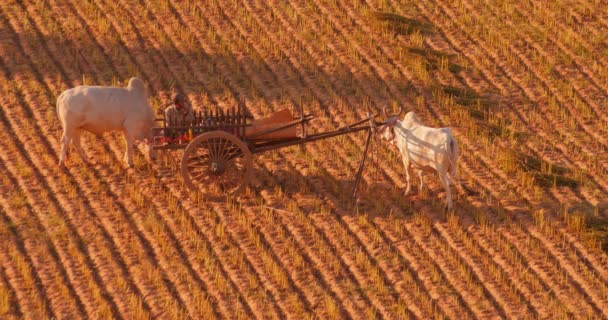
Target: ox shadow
point(383, 199)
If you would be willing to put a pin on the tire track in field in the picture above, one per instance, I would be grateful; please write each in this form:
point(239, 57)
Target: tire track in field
point(349, 10)
point(69, 273)
point(246, 307)
point(368, 59)
point(495, 82)
point(9, 306)
point(574, 277)
point(70, 209)
point(532, 95)
point(250, 256)
point(562, 71)
point(49, 268)
point(29, 296)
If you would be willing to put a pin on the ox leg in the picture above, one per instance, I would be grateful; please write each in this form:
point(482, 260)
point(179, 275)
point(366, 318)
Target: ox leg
point(443, 176)
point(408, 188)
point(421, 181)
point(129, 148)
point(409, 185)
point(65, 144)
point(77, 145)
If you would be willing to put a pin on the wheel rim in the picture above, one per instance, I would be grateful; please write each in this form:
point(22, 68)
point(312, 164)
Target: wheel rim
point(216, 163)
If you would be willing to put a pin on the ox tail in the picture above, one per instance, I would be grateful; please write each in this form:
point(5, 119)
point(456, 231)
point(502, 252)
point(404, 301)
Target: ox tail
point(453, 154)
point(60, 101)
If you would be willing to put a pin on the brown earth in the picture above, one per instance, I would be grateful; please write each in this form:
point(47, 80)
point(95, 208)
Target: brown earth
point(523, 85)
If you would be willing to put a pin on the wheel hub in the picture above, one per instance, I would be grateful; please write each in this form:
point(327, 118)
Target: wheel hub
point(216, 168)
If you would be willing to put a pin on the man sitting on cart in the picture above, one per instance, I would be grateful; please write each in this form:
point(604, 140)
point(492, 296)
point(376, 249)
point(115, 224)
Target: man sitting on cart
point(180, 113)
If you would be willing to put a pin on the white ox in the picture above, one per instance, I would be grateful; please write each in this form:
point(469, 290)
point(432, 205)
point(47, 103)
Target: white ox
point(98, 109)
point(424, 148)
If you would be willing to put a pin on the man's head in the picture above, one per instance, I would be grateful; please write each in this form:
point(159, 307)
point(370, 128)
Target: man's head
point(180, 101)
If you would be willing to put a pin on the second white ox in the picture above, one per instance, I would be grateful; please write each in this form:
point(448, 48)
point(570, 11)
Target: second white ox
point(423, 148)
point(98, 109)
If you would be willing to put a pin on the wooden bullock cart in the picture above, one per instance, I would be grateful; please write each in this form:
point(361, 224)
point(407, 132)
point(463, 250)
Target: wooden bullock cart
point(219, 146)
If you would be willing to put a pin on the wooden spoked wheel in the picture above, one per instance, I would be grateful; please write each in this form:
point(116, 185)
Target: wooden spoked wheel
point(216, 163)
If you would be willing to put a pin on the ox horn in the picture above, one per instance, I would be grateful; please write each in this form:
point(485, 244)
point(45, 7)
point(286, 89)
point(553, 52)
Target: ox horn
point(392, 115)
point(400, 110)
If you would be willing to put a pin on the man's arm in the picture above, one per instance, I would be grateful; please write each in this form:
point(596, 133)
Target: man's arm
point(169, 117)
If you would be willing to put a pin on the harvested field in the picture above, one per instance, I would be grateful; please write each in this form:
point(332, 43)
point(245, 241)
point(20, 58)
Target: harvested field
point(524, 86)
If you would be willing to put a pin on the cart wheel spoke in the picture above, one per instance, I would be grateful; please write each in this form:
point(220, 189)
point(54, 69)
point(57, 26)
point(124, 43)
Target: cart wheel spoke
point(230, 152)
point(199, 175)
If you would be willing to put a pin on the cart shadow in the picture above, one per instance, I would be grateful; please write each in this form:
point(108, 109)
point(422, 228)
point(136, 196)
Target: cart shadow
point(339, 191)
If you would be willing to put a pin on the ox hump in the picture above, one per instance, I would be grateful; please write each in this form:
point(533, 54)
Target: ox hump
point(136, 84)
point(411, 120)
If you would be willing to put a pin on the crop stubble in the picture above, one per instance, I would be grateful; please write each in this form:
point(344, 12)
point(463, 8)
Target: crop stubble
point(94, 245)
